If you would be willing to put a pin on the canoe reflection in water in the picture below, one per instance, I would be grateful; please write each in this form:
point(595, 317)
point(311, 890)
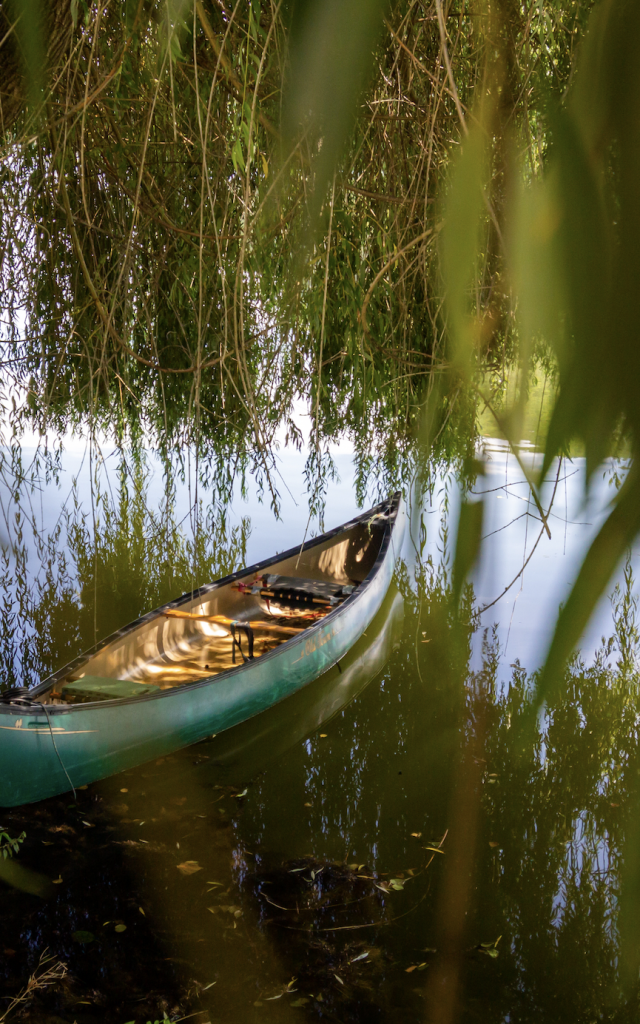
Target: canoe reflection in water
point(201, 664)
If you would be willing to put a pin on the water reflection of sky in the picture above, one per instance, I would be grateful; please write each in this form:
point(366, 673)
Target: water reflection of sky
point(517, 551)
point(525, 611)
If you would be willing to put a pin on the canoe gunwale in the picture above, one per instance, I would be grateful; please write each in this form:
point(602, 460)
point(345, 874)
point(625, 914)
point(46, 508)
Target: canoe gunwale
point(390, 506)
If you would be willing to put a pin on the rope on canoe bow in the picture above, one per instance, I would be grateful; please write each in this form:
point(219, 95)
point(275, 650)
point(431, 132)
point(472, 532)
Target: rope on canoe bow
point(20, 695)
point(55, 747)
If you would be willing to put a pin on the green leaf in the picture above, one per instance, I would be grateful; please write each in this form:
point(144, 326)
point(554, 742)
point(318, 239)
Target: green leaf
point(237, 155)
point(467, 544)
point(607, 550)
point(465, 212)
point(29, 15)
point(331, 52)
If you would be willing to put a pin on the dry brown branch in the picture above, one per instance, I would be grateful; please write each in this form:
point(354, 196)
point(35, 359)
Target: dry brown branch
point(48, 972)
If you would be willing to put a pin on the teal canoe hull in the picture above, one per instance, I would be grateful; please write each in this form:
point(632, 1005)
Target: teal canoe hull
point(43, 753)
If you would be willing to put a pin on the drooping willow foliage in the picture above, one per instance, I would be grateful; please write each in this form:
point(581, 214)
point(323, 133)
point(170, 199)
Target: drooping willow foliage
point(175, 265)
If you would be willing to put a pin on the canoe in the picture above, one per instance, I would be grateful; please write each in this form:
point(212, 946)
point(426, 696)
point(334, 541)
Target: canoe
point(200, 664)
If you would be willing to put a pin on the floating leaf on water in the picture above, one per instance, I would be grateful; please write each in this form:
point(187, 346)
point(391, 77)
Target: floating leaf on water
point(396, 883)
point(306, 805)
point(433, 849)
point(238, 795)
point(408, 970)
point(121, 928)
point(493, 844)
point(489, 948)
point(189, 867)
point(295, 870)
point(323, 735)
point(57, 881)
point(210, 985)
point(339, 979)
point(230, 908)
point(124, 790)
point(270, 999)
point(83, 937)
point(416, 835)
point(361, 957)
point(142, 911)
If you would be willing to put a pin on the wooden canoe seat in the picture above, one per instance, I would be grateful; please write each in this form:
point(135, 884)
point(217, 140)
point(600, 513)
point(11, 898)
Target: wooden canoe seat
point(292, 595)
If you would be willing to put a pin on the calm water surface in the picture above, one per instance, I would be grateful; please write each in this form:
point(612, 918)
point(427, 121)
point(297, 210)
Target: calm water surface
point(249, 878)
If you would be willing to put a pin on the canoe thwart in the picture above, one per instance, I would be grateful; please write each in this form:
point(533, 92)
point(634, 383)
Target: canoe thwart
point(223, 620)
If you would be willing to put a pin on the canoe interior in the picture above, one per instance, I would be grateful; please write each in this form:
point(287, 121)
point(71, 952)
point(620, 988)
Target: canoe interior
point(177, 645)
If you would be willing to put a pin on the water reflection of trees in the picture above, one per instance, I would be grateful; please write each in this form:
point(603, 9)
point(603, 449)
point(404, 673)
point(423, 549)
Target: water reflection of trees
point(552, 825)
point(555, 814)
point(559, 812)
point(68, 585)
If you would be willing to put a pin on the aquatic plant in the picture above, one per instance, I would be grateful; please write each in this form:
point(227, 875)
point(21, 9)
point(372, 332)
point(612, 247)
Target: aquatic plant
point(9, 845)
